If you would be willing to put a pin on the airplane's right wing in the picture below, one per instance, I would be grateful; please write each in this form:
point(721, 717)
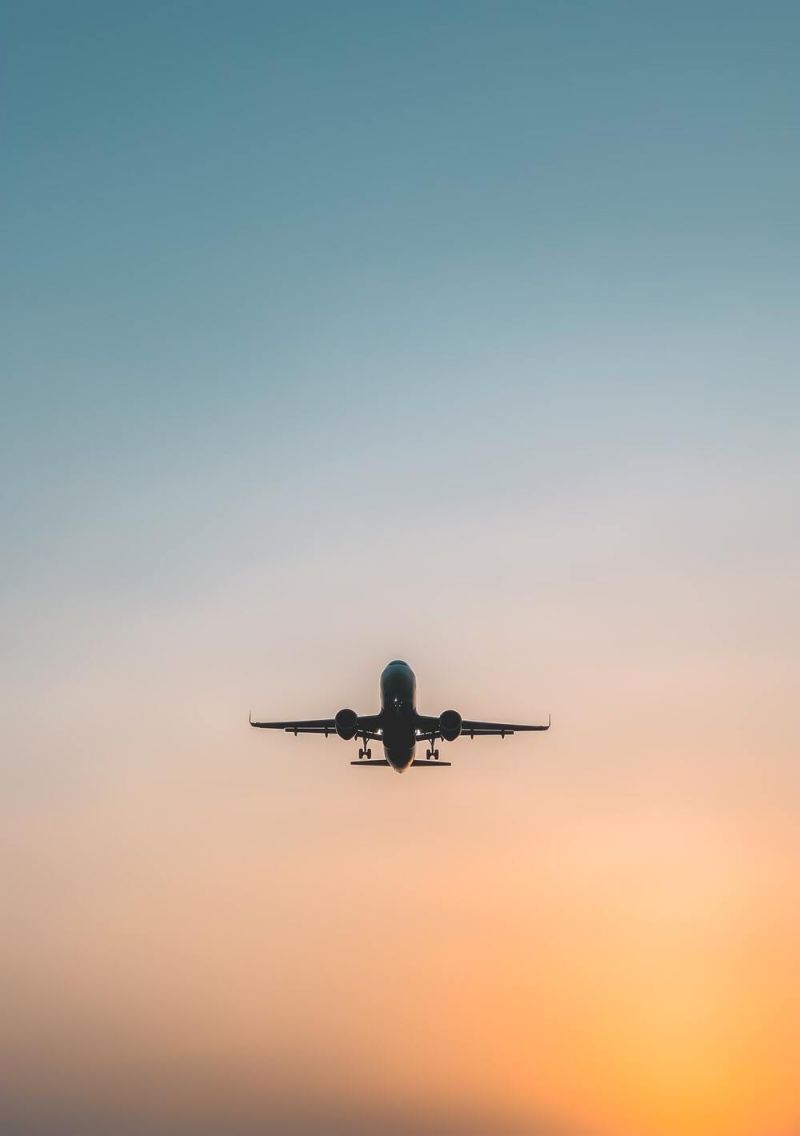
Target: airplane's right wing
point(495, 729)
point(429, 728)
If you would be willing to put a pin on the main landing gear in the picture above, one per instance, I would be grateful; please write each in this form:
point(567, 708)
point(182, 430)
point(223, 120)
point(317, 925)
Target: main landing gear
point(432, 752)
point(365, 752)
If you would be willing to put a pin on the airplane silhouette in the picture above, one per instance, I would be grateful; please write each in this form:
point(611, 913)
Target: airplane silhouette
point(398, 725)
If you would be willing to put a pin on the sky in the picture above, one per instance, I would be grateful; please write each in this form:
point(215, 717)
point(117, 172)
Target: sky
point(462, 333)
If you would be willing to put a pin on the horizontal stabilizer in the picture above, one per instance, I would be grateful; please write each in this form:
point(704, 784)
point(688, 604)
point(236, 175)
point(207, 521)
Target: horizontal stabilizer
point(429, 764)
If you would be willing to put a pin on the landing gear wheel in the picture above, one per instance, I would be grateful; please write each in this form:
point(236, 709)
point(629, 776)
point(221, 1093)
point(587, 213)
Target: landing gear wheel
point(432, 753)
point(367, 753)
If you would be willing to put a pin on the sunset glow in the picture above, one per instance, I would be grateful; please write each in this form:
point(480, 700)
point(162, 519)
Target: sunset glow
point(459, 334)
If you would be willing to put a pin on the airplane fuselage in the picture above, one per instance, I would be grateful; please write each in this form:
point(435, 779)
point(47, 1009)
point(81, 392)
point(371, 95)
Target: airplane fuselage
point(398, 714)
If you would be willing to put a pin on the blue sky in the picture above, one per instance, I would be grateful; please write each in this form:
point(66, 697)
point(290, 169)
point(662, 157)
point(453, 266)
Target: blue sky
point(373, 267)
point(270, 218)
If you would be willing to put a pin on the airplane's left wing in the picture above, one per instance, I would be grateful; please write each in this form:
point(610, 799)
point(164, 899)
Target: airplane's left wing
point(366, 726)
point(309, 726)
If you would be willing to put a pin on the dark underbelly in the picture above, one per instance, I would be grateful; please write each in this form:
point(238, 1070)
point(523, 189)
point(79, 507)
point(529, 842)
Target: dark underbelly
point(399, 740)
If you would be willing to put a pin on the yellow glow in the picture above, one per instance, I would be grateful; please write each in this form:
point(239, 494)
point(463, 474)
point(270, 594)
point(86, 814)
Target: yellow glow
point(601, 926)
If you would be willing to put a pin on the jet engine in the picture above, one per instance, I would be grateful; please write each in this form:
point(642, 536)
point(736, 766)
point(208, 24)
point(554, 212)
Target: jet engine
point(347, 724)
point(450, 725)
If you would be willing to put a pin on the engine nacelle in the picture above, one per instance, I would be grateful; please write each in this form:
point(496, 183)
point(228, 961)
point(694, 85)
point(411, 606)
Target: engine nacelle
point(450, 725)
point(346, 724)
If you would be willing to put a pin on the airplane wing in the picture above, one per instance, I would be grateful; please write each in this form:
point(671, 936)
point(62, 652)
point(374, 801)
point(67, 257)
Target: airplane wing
point(469, 728)
point(320, 726)
point(494, 729)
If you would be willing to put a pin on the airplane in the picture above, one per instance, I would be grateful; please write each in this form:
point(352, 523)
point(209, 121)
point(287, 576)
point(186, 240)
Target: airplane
point(398, 725)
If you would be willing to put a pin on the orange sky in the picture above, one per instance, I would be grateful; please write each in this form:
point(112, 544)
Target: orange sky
point(585, 927)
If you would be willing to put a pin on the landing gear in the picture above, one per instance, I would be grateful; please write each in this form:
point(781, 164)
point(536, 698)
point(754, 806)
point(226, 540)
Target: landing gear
point(432, 753)
point(366, 751)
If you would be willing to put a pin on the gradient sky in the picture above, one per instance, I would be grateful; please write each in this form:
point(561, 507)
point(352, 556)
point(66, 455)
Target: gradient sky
point(465, 333)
